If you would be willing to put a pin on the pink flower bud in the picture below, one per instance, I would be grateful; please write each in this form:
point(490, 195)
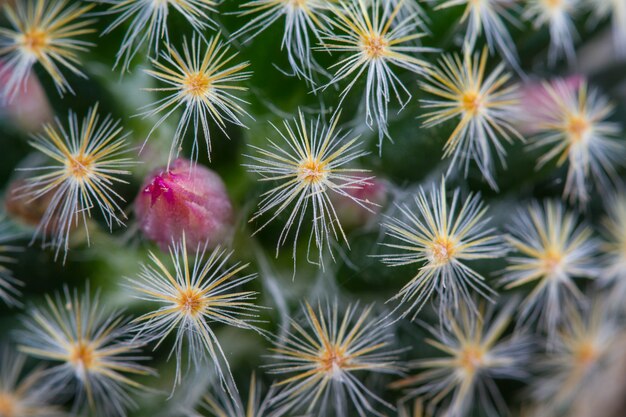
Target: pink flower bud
point(350, 213)
point(30, 108)
point(536, 102)
point(186, 198)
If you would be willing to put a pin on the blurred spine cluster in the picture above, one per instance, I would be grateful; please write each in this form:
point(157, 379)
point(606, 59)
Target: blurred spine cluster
point(447, 174)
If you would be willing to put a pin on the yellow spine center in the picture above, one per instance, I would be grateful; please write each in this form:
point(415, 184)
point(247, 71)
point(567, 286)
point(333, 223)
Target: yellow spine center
point(477, 4)
point(79, 166)
point(553, 4)
point(191, 301)
point(552, 261)
point(471, 102)
point(197, 84)
point(34, 41)
point(577, 127)
point(8, 405)
point(332, 359)
point(375, 46)
point(442, 250)
point(82, 355)
point(471, 358)
point(296, 3)
point(312, 171)
point(586, 354)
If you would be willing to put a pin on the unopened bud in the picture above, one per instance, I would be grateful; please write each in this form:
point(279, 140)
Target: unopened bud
point(30, 109)
point(188, 198)
point(350, 213)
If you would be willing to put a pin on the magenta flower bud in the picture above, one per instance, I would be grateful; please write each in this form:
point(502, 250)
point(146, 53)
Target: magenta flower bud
point(349, 212)
point(188, 198)
point(30, 109)
point(537, 103)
